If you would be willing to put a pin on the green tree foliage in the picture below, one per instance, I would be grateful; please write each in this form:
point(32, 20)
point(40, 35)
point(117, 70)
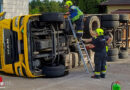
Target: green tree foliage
point(37, 6)
point(87, 6)
point(34, 6)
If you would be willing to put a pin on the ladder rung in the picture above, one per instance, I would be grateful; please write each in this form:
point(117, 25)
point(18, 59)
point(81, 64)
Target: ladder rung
point(81, 48)
point(84, 54)
point(80, 43)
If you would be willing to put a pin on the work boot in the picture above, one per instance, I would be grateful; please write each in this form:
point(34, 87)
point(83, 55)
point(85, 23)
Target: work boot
point(102, 75)
point(96, 76)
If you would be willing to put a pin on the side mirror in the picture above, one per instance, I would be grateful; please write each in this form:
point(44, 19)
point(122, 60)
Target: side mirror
point(2, 15)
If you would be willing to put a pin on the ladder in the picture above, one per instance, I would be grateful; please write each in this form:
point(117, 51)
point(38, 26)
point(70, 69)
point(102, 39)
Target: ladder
point(81, 48)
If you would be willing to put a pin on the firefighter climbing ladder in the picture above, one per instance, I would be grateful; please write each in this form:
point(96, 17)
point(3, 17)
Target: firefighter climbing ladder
point(81, 48)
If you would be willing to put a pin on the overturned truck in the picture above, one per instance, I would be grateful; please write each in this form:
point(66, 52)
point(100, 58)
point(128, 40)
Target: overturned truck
point(33, 45)
point(40, 45)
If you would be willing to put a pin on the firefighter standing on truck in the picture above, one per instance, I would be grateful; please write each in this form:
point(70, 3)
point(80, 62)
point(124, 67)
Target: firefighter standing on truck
point(100, 56)
point(76, 16)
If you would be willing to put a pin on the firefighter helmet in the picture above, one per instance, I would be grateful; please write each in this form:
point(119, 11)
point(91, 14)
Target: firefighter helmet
point(68, 3)
point(100, 31)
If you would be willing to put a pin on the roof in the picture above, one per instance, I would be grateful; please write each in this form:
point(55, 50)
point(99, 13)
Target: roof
point(116, 2)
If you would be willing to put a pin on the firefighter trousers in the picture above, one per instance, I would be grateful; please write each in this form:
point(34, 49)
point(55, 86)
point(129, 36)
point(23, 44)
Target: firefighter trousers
point(79, 26)
point(100, 63)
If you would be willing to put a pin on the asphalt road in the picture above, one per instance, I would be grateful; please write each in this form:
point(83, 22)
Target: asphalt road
point(77, 79)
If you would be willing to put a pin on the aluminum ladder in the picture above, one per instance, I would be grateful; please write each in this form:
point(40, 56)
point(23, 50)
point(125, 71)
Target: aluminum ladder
point(81, 48)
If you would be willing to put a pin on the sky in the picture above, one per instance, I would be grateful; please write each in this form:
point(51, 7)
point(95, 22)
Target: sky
point(54, 0)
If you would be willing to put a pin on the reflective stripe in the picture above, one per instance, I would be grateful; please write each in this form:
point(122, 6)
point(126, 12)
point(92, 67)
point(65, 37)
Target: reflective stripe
point(80, 31)
point(103, 72)
point(106, 48)
point(106, 67)
point(75, 18)
point(97, 73)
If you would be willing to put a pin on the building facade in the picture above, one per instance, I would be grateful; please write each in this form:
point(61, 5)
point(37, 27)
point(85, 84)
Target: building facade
point(14, 7)
point(111, 9)
point(117, 5)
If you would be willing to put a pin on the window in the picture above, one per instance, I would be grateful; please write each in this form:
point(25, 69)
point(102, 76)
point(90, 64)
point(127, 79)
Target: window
point(1, 5)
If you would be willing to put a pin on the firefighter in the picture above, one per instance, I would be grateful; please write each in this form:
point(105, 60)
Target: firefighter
point(100, 56)
point(76, 16)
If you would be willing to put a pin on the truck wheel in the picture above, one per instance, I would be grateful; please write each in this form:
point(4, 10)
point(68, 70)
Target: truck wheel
point(123, 54)
point(113, 52)
point(52, 17)
point(75, 60)
point(124, 18)
point(54, 71)
point(110, 24)
point(91, 24)
point(110, 17)
point(112, 58)
point(66, 59)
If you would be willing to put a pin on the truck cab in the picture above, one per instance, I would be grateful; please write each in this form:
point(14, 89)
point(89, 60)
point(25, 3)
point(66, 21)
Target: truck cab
point(33, 45)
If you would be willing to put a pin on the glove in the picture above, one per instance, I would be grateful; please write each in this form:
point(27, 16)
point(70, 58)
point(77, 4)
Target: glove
point(90, 46)
point(87, 47)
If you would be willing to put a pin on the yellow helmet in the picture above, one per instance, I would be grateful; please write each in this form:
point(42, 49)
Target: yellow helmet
point(68, 3)
point(100, 31)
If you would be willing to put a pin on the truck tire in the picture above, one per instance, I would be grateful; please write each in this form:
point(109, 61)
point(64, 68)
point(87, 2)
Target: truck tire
point(112, 58)
point(52, 17)
point(124, 18)
point(54, 71)
point(75, 60)
point(113, 52)
point(123, 54)
point(90, 25)
point(66, 59)
point(71, 61)
point(110, 24)
point(110, 17)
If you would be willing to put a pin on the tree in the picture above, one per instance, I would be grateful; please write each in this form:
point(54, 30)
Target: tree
point(34, 6)
point(54, 7)
point(37, 6)
point(87, 6)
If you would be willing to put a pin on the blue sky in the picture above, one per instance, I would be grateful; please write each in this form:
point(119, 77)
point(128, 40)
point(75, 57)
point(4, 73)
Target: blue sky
point(54, 0)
